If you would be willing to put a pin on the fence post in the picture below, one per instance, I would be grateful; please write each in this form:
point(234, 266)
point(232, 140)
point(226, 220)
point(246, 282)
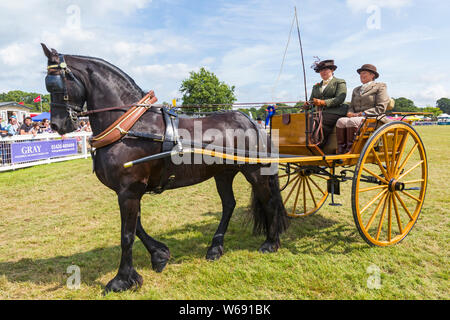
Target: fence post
point(84, 145)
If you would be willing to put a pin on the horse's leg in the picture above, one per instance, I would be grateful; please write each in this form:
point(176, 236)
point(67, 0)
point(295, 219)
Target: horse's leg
point(267, 208)
point(159, 252)
point(127, 277)
point(224, 184)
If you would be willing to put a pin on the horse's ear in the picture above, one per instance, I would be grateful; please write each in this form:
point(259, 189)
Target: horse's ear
point(47, 52)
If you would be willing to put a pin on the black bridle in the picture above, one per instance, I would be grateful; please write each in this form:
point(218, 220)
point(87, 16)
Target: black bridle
point(57, 84)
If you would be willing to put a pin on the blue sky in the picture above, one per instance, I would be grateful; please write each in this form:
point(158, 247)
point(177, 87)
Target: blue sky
point(158, 42)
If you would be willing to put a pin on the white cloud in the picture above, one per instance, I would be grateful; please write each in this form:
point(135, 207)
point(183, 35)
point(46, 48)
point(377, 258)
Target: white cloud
point(246, 65)
point(362, 5)
point(428, 95)
point(16, 54)
point(207, 61)
point(176, 71)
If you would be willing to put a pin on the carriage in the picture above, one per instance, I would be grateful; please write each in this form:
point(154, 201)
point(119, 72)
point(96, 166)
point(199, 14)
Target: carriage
point(387, 165)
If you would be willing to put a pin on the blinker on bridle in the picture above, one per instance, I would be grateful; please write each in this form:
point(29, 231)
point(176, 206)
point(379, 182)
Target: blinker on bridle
point(58, 84)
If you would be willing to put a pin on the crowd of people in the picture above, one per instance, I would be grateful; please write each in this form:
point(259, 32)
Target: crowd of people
point(28, 127)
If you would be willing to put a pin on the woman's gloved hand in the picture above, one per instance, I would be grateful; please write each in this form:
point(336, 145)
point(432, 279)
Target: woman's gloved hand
point(319, 103)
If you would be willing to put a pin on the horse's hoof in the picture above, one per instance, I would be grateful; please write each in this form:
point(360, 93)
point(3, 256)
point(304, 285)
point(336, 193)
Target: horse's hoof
point(214, 253)
point(269, 247)
point(118, 284)
point(160, 259)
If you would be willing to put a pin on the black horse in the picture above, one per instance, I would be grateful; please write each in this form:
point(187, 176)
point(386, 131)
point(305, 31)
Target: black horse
point(75, 80)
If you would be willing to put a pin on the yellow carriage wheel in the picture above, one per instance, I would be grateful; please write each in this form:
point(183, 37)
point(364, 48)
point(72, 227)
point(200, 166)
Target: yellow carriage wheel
point(389, 184)
point(303, 191)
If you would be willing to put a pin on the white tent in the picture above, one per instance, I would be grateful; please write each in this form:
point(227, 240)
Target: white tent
point(444, 115)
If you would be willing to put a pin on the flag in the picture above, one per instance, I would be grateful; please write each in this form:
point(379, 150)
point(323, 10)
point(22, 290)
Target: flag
point(22, 103)
point(37, 99)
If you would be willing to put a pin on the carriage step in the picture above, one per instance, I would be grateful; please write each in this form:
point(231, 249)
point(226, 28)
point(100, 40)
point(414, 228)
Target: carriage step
point(334, 187)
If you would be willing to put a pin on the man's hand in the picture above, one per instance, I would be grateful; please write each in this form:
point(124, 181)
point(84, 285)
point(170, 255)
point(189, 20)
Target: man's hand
point(319, 103)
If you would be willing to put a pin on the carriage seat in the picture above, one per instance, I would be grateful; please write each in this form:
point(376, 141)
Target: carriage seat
point(331, 146)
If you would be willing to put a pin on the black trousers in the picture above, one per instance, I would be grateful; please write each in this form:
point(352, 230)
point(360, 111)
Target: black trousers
point(328, 123)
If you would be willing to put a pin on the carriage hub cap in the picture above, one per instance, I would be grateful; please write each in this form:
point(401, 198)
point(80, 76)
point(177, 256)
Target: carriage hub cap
point(395, 185)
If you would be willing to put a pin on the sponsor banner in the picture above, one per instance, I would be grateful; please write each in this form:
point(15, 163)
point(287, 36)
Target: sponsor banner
point(59, 148)
point(39, 150)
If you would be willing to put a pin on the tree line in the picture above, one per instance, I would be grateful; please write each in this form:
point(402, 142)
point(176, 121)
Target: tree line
point(27, 99)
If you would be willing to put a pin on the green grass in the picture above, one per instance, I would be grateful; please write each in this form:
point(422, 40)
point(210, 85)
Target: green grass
point(57, 215)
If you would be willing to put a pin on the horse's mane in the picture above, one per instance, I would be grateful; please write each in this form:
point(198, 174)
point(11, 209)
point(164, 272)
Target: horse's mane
point(119, 72)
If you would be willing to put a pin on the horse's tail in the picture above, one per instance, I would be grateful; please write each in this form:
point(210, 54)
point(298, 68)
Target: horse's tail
point(269, 213)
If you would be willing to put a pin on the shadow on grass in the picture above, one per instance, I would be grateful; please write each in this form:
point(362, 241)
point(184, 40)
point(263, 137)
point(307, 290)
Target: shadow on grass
point(321, 235)
point(187, 243)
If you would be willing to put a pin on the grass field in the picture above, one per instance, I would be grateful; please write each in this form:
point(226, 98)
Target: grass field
point(58, 215)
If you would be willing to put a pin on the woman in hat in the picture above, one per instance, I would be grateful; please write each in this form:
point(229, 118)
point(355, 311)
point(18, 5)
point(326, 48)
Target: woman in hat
point(369, 99)
point(329, 94)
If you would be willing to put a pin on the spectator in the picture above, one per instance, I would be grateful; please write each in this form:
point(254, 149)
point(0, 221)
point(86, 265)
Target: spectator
point(27, 126)
point(88, 127)
point(36, 128)
point(46, 126)
point(11, 127)
point(17, 124)
point(3, 131)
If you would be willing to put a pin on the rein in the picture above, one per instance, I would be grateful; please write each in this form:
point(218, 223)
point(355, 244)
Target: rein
point(86, 113)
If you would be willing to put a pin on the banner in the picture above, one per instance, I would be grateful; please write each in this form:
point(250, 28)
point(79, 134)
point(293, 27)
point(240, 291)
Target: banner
point(39, 150)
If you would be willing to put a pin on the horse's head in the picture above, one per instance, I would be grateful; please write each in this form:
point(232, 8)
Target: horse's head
point(67, 92)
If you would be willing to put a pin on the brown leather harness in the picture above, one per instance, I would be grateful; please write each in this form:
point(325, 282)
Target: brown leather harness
point(121, 126)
